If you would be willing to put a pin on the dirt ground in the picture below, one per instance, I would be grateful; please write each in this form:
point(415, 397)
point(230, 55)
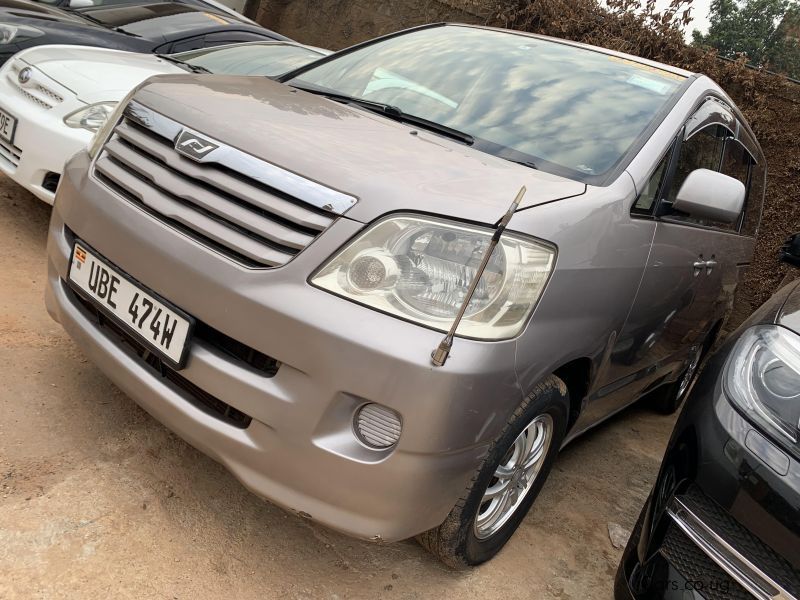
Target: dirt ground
point(98, 500)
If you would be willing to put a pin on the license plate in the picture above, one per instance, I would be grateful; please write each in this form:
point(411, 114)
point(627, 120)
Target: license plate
point(160, 326)
point(8, 125)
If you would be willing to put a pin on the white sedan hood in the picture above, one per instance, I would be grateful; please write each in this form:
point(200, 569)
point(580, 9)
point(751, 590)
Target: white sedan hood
point(96, 74)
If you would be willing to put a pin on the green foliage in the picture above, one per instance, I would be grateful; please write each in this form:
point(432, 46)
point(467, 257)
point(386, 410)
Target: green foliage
point(765, 31)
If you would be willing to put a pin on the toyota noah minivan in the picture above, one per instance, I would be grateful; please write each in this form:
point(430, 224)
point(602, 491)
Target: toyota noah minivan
point(386, 289)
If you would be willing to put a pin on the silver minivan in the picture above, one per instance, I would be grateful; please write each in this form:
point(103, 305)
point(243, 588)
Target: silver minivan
point(385, 290)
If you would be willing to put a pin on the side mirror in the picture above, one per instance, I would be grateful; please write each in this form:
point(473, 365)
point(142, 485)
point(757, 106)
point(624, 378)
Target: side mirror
point(81, 3)
point(790, 251)
point(710, 195)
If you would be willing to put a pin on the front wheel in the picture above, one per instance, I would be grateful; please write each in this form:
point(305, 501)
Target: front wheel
point(506, 484)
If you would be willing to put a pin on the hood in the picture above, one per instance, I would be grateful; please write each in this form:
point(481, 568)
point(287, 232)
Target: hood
point(96, 74)
point(789, 316)
point(34, 10)
point(56, 26)
point(388, 166)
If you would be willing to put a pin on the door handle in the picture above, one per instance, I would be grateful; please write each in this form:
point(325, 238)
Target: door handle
point(699, 265)
point(710, 264)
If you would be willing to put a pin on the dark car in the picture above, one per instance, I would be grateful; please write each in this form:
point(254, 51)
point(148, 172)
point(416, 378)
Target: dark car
point(162, 27)
point(723, 520)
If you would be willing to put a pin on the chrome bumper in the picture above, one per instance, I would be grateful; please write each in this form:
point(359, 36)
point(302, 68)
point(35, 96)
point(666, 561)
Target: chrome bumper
point(744, 571)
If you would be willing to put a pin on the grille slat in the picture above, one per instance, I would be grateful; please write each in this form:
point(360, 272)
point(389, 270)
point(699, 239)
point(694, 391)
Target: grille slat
point(10, 153)
point(207, 227)
point(33, 90)
point(163, 180)
point(225, 182)
point(253, 211)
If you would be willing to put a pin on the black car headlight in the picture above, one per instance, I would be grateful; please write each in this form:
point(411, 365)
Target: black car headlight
point(18, 33)
point(762, 378)
point(419, 268)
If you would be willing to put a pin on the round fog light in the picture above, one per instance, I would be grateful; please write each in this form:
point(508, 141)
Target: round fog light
point(377, 426)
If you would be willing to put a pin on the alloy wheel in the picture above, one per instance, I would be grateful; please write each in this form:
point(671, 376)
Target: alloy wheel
point(514, 476)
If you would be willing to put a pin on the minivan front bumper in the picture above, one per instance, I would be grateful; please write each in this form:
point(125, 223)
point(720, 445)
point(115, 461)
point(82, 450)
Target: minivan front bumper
point(299, 450)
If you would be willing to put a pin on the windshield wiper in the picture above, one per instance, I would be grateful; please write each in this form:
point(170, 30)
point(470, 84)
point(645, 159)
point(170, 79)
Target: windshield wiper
point(184, 64)
point(393, 112)
point(524, 163)
point(91, 19)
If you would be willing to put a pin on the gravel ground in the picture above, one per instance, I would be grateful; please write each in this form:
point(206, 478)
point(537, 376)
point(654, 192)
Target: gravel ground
point(99, 500)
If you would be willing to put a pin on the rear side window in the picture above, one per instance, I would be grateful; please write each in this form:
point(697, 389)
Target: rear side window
point(736, 161)
point(755, 198)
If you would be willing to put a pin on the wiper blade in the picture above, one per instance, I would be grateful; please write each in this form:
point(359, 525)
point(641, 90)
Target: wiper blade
point(393, 112)
point(524, 163)
point(92, 19)
point(184, 64)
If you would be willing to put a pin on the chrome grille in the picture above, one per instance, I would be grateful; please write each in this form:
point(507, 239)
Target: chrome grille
point(248, 209)
point(35, 99)
point(33, 90)
point(58, 99)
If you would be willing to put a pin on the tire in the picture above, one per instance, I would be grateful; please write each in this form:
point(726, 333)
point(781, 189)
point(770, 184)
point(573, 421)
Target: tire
point(669, 398)
point(460, 541)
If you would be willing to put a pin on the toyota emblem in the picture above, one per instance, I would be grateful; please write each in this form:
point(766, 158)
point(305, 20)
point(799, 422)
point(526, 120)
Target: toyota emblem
point(24, 75)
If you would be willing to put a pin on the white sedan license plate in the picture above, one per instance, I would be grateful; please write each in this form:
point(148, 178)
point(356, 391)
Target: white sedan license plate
point(161, 327)
point(7, 126)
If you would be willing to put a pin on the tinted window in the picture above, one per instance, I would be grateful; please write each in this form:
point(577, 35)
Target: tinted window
point(701, 151)
point(251, 59)
point(736, 161)
point(755, 198)
point(191, 43)
point(704, 150)
point(569, 110)
point(647, 199)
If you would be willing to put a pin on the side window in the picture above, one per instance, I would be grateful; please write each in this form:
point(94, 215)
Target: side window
point(192, 43)
point(701, 151)
point(646, 201)
point(233, 37)
point(704, 150)
point(736, 161)
point(754, 201)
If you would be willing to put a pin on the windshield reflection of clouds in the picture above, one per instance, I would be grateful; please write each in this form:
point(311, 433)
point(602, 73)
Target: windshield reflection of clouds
point(576, 108)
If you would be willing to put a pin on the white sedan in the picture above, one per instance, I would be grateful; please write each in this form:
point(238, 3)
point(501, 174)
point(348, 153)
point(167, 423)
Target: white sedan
point(53, 98)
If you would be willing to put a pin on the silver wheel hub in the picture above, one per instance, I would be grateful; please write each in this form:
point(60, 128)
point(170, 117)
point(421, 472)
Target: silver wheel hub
point(514, 476)
point(691, 369)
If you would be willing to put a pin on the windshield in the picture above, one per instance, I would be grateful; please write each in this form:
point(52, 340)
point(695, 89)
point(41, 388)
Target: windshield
point(567, 110)
point(268, 59)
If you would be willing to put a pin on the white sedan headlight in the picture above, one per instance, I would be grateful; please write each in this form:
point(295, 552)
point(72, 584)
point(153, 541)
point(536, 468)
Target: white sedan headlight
point(762, 378)
point(419, 269)
point(91, 117)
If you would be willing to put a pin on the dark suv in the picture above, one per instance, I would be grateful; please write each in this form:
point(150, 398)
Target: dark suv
point(723, 520)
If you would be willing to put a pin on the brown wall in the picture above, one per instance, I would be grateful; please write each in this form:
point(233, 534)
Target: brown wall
point(336, 24)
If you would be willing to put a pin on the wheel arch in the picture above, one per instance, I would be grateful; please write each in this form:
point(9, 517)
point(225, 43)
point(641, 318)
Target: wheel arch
point(576, 375)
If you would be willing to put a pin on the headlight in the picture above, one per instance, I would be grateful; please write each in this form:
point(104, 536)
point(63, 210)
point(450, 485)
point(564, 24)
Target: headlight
point(18, 33)
point(91, 117)
point(762, 378)
point(420, 268)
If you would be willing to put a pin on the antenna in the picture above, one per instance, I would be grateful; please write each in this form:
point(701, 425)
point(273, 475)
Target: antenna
point(442, 351)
